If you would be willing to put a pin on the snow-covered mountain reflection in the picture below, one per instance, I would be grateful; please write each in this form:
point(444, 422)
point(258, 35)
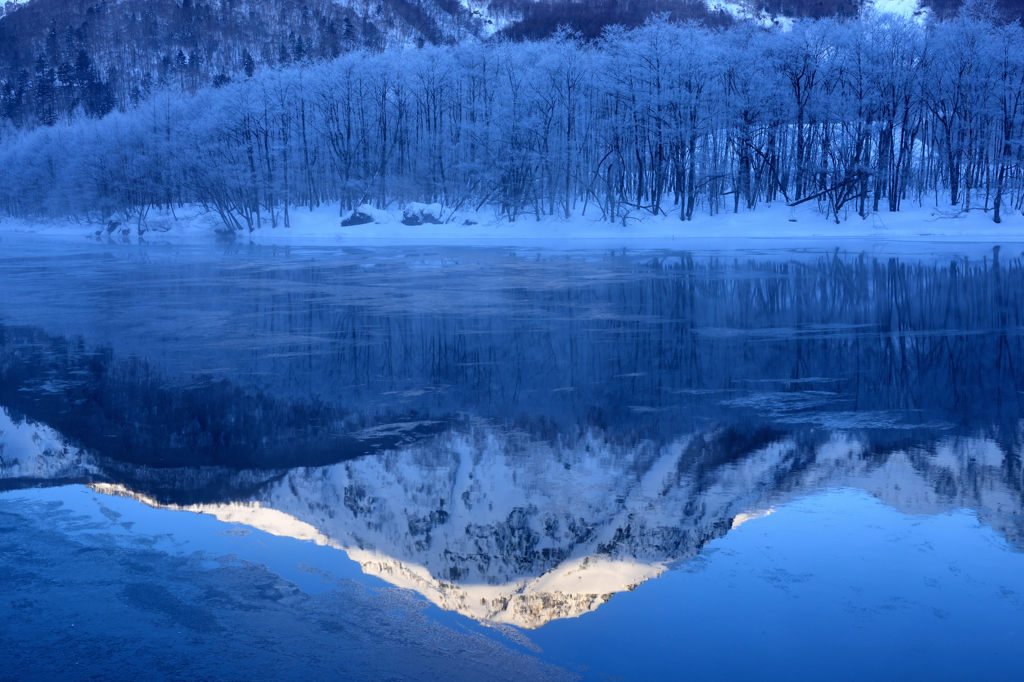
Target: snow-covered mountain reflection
point(506, 527)
point(517, 439)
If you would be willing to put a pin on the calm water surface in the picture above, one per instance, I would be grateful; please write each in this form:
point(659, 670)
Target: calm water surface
point(427, 462)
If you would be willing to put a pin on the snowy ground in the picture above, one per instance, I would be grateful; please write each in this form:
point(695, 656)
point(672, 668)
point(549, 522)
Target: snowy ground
point(765, 226)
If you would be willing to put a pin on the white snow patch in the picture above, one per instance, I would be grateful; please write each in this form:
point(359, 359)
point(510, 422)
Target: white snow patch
point(251, 514)
point(379, 217)
point(905, 9)
point(490, 21)
point(32, 450)
point(743, 517)
point(924, 230)
point(8, 6)
point(743, 11)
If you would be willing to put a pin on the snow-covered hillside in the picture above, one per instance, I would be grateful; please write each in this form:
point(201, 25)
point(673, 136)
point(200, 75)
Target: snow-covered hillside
point(905, 9)
point(743, 10)
point(8, 6)
point(492, 20)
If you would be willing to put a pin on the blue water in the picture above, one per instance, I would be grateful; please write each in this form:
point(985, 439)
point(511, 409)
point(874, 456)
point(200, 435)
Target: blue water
point(644, 465)
point(833, 585)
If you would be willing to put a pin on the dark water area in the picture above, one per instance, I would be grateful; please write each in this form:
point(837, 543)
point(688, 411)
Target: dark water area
point(603, 457)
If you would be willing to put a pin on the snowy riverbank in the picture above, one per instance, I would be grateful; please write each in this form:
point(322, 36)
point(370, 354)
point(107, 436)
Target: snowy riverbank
point(323, 226)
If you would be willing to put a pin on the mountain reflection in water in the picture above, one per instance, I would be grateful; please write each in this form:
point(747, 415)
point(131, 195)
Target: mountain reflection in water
point(519, 440)
point(502, 527)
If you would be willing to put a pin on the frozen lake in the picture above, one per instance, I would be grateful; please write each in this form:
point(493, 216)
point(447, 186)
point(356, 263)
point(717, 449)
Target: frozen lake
point(511, 462)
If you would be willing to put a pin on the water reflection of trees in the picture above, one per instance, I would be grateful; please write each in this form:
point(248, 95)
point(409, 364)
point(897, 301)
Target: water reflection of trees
point(314, 362)
point(126, 410)
point(574, 342)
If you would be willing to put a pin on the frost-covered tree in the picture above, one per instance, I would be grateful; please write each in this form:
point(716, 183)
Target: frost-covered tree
point(852, 116)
